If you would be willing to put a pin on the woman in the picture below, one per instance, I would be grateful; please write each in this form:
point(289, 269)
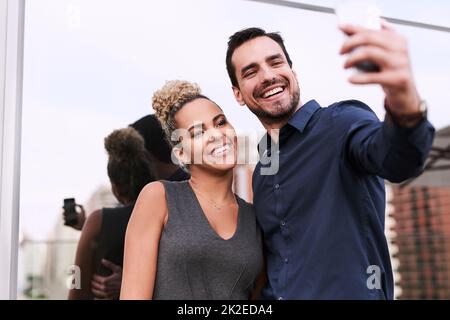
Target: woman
point(193, 239)
point(100, 248)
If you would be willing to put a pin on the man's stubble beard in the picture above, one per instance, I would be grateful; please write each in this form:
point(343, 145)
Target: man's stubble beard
point(271, 117)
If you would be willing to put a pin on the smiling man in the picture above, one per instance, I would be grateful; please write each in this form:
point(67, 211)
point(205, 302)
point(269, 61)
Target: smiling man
point(322, 211)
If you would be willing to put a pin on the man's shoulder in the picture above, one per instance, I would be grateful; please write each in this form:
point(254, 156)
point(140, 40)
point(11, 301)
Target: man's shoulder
point(351, 111)
point(342, 107)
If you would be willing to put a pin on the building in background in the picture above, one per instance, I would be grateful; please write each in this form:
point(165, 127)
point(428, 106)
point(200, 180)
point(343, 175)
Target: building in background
point(44, 266)
point(420, 232)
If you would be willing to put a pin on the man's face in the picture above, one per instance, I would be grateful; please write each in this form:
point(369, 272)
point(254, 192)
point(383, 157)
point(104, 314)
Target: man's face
point(267, 84)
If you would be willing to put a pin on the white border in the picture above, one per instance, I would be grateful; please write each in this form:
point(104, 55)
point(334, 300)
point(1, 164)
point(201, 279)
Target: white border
point(11, 75)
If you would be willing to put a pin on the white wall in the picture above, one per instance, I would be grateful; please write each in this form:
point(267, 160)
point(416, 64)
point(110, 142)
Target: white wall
point(11, 63)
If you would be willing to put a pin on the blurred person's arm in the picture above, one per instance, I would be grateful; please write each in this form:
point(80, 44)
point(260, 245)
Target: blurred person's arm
point(142, 243)
point(85, 256)
point(107, 287)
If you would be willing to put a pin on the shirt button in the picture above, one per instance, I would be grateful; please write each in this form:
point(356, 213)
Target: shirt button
point(283, 223)
point(277, 186)
point(286, 260)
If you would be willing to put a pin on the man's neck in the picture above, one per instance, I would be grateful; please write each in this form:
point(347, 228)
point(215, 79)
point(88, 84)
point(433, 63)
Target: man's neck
point(273, 128)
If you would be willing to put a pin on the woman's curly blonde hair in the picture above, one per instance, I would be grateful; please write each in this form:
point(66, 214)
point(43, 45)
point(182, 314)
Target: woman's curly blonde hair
point(170, 99)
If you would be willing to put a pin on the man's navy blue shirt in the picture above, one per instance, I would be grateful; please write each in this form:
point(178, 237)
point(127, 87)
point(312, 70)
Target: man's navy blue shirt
point(322, 213)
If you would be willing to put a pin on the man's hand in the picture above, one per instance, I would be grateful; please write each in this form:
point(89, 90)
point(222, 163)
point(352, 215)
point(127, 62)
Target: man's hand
point(107, 287)
point(389, 50)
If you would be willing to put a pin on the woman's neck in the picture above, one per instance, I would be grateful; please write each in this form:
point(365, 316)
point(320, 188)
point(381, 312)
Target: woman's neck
point(216, 186)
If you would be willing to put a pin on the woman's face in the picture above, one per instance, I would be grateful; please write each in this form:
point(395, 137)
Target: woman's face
point(208, 140)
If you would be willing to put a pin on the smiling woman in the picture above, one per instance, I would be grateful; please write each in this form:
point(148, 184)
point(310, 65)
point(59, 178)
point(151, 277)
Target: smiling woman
point(93, 66)
point(193, 220)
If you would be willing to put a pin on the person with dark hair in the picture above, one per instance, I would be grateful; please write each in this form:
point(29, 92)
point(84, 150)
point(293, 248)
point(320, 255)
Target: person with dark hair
point(319, 193)
point(201, 241)
point(163, 168)
point(159, 148)
point(160, 155)
point(101, 245)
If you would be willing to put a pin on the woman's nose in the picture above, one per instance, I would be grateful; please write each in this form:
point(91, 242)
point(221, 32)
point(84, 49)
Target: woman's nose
point(214, 134)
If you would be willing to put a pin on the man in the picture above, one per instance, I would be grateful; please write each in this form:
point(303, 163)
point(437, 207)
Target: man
point(322, 203)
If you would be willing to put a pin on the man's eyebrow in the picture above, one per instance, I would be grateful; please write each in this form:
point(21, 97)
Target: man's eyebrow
point(248, 67)
point(254, 64)
point(275, 56)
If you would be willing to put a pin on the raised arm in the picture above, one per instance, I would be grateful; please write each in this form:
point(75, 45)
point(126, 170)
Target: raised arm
point(142, 242)
point(85, 256)
point(397, 148)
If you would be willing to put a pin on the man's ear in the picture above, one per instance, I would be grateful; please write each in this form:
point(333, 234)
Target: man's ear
point(238, 95)
point(295, 75)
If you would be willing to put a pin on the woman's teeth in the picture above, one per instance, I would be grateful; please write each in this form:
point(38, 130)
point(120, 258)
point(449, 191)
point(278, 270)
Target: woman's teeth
point(221, 150)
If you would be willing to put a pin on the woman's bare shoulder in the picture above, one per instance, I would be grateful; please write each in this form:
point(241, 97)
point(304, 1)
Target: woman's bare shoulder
point(151, 203)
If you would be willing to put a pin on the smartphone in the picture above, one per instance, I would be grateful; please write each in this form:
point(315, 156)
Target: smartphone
point(70, 212)
point(365, 13)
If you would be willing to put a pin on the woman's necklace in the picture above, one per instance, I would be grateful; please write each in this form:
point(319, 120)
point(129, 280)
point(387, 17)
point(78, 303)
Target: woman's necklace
point(214, 203)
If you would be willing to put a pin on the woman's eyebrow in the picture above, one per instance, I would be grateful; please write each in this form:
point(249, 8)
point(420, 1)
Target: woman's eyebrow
point(196, 125)
point(218, 116)
point(202, 125)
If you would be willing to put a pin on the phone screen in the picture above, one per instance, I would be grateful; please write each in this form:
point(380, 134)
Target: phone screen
point(70, 213)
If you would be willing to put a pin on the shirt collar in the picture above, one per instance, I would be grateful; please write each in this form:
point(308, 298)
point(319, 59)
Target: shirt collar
point(301, 117)
point(298, 120)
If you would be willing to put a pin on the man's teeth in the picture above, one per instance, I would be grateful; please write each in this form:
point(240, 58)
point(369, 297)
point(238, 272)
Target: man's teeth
point(219, 151)
point(272, 92)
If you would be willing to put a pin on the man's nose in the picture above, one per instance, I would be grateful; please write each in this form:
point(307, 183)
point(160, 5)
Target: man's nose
point(267, 74)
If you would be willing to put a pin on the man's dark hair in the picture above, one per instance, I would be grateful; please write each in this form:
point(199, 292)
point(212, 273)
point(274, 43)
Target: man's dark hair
point(154, 137)
point(240, 37)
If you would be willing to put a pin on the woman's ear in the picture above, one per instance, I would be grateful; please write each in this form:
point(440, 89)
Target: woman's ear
point(180, 155)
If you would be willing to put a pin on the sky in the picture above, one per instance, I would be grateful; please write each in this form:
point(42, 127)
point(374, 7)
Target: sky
point(91, 66)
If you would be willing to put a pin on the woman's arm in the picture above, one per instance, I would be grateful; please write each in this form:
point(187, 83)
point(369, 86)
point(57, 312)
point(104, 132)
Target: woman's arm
point(85, 256)
point(142, 241)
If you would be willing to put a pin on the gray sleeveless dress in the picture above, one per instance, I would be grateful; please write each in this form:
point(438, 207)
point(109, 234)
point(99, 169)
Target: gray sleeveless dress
point(194, 262)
